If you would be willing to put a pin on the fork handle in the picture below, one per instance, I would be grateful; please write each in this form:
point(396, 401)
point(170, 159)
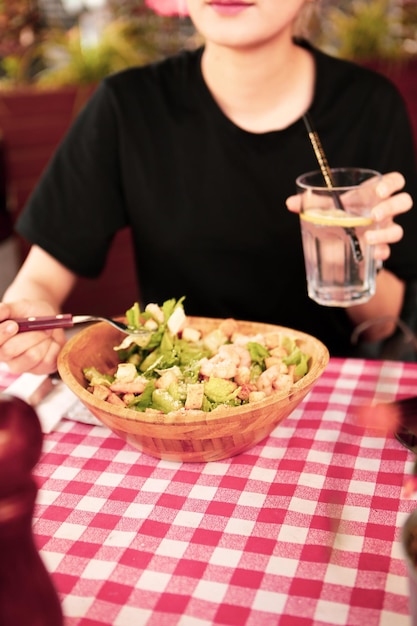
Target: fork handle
point(45, 322)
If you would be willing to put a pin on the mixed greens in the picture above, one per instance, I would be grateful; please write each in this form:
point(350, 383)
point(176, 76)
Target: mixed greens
point(176, 367)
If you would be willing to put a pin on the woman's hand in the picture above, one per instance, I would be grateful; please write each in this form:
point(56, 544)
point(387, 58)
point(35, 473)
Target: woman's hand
point(40, 287)
point(392, 202)
point(35, 351)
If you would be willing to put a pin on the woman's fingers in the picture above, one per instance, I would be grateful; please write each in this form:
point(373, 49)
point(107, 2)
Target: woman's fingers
point(390, 232)
point(34, 352)
point(294, 203)
point(391, 201)
point(390, 184)
point(392, 206)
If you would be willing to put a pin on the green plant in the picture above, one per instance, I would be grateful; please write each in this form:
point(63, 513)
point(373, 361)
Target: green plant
point(69, 61)
point(133, 35)
point(363, 29)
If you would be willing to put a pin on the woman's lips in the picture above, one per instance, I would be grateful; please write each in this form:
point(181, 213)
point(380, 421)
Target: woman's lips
point(229, 8)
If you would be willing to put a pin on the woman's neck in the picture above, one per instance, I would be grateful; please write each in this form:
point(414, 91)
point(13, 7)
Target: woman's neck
point(260, 90)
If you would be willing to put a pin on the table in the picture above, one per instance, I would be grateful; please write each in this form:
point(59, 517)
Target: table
point(301, 530)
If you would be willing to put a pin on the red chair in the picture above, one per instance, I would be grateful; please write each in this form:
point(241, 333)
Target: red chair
point(33, 122)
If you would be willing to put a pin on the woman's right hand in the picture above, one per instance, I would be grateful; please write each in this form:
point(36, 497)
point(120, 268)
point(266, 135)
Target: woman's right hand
point(35, 351)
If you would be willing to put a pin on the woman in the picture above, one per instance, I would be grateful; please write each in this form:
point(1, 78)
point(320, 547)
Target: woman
point(198, 154)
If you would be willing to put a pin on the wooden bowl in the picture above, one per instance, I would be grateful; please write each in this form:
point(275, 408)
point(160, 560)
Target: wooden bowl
point(186, 435)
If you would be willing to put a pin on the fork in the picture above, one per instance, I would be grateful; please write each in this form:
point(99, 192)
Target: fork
point(66, 320)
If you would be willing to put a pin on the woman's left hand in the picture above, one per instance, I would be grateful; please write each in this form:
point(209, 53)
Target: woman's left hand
point(393, 202)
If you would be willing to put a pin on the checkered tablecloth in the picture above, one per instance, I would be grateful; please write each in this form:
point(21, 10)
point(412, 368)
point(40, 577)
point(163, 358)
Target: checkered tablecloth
point(303, 529)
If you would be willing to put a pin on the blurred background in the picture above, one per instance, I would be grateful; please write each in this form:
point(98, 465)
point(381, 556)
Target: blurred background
point(54, 52)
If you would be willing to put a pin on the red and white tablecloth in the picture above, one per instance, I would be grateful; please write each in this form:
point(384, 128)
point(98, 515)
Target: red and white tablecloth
point(303, 529)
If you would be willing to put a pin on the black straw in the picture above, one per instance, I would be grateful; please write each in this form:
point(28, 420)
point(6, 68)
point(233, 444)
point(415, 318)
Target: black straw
point(327, 175)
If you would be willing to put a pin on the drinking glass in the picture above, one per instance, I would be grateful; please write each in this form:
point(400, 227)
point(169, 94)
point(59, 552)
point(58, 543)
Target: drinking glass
point(340, 265)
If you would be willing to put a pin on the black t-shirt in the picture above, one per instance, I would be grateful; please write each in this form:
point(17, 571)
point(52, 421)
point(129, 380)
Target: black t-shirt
point(205, 198)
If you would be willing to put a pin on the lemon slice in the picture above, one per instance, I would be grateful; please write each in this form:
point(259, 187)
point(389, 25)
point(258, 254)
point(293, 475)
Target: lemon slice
point(335, 217)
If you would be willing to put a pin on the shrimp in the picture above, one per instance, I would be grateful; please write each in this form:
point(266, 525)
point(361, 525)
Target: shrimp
point(272, 379)
point(236, 353)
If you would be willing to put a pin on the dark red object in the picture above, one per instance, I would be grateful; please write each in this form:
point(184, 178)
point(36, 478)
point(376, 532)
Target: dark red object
point(27, 594)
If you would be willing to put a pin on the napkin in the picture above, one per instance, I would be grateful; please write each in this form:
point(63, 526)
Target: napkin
point(52, 400)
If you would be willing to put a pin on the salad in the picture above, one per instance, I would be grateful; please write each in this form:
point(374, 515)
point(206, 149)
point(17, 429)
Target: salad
point(177, 367)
